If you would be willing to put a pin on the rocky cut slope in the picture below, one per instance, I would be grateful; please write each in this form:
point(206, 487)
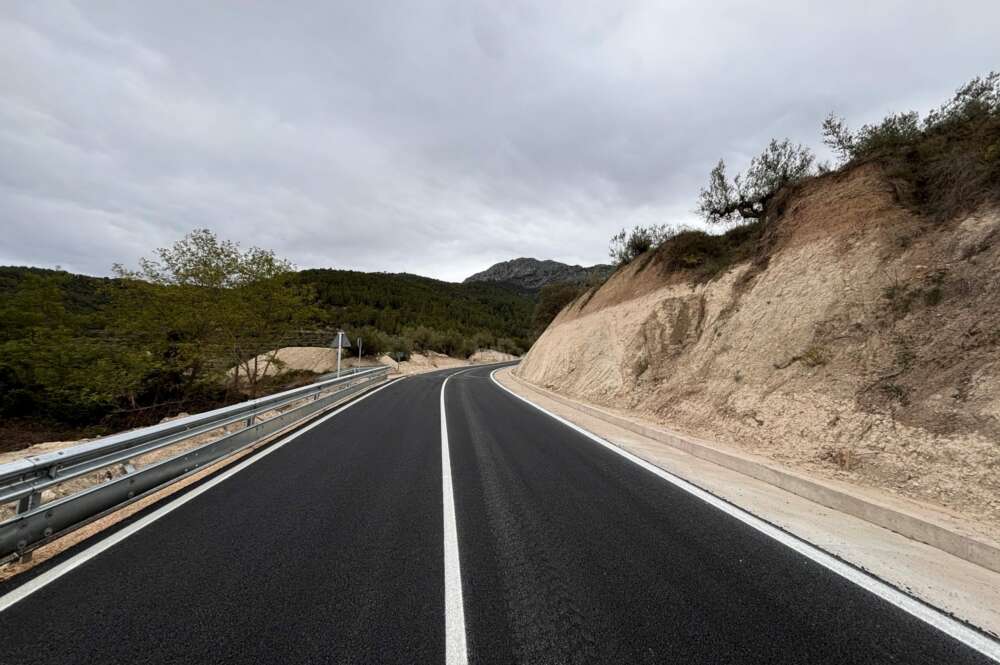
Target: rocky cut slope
point(532, 274)
point(854, 338)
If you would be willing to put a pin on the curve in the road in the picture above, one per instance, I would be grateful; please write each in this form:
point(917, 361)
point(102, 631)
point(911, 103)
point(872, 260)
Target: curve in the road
point(443, 519)
point(573, 553)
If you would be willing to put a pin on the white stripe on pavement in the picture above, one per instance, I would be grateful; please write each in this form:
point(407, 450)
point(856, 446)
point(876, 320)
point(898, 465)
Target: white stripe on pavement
point(926, 613)
point(456, 652)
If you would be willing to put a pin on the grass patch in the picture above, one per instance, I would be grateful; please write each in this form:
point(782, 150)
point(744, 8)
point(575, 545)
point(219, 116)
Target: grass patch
point(900, 299)
point(953, 169)
point(814, 356)
point(933, 296)
point(846, 459)
point(705, 255)
point(897, 393)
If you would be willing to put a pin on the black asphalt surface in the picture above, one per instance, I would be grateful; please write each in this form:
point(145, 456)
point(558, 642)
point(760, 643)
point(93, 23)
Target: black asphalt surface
point(572, 554)
point(329, 550)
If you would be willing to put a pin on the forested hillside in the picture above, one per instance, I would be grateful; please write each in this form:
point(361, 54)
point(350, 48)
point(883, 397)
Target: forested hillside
point(83, 354)
point(463, 317)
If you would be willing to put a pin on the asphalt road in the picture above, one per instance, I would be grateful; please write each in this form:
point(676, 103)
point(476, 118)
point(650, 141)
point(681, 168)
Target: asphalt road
point(330, 549)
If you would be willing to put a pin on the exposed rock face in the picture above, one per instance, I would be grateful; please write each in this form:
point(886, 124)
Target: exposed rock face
point(866, 348)
point(533, 274)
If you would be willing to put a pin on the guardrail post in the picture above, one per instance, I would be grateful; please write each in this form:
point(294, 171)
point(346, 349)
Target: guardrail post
point(25, 504)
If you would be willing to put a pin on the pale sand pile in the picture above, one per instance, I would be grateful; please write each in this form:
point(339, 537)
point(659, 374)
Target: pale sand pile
point(431, 360)
point(322, 360)
point(490, 356)
point(867, 349)
point(317, 359)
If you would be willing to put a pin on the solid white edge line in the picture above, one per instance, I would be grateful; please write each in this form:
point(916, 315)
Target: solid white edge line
point(456, 650)
point(936, 618)
point(57, 571)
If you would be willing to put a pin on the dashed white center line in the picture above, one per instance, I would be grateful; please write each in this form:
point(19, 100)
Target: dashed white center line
point(456, 652)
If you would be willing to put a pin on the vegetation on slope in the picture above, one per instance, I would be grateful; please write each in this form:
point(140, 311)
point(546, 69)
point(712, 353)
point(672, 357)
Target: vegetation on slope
point(400, 313)
point(857, 338)
point(81, 354)
point(551, 299)
point(90, 352)
point(941, 166)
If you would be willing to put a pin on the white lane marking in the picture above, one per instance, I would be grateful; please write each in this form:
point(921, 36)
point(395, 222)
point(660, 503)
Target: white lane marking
point(455, 649)
point(54, 573)
point(936, 618)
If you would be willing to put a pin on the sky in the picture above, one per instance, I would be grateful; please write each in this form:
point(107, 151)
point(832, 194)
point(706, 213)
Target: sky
point(428, 137)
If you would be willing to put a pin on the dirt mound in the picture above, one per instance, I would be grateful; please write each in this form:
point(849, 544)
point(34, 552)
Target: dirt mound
point(316, 359)
point(322, 360)
point(431, 360)
point(491, 356)
point(861, 342)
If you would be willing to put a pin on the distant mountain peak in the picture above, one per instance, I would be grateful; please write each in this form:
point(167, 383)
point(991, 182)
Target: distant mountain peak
point(533, 274)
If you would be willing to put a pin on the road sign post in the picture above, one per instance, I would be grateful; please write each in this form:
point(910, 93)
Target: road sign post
point(341, 342)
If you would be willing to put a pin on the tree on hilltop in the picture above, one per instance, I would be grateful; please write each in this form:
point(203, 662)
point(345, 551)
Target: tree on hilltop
point(213, 300)
point(746, 196)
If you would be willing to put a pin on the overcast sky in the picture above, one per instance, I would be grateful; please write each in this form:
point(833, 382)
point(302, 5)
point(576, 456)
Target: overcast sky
point(427, 137)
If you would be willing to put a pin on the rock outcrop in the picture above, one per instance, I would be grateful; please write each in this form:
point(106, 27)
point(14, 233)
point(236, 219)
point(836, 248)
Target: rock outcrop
point(533, 274)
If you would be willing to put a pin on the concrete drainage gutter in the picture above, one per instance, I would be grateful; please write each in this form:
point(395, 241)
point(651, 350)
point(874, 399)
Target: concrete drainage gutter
point(911, 526)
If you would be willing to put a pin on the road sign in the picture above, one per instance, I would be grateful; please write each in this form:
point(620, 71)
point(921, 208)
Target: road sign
point(341, 341)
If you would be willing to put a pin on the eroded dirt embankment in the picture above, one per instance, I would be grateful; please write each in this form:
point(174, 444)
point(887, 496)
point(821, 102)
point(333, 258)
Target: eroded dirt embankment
point(863, 343)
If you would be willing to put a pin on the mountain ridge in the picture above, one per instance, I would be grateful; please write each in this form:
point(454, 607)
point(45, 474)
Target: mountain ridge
point(532, 274)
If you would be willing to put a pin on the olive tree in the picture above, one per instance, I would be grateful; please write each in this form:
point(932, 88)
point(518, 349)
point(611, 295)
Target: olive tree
point(745, 197)
point(894, 131)
point(205, 301)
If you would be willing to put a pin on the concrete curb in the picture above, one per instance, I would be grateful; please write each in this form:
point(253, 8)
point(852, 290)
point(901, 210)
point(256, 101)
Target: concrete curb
point(917, 528)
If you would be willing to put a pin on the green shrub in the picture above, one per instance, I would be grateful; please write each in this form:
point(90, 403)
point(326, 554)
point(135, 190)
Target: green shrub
point(815, 356)
point(947, 164)
point(629, 245)
point(551, 300)
point(508, 345)
point(900, 298)
point(893, 132)
point(933, 296)
point(705, 255)
point(896, 392)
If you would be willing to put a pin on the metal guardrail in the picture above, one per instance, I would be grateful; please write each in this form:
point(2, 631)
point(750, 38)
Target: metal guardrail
point(24, 481)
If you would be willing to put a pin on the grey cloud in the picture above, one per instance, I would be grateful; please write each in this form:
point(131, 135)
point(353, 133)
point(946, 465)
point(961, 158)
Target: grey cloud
point(434, 138)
